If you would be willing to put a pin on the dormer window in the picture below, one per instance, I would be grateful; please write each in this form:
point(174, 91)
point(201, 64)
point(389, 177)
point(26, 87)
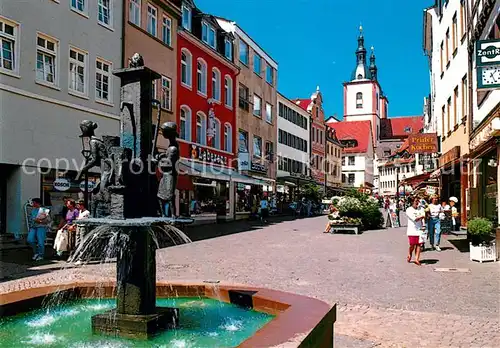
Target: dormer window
point(407, 129)
point(186, 17)
point(349, 143)
point(228, 49)
point(208, 35)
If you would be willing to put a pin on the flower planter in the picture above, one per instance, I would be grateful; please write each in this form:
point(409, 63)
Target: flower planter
point(482, 252)
point(344, 227)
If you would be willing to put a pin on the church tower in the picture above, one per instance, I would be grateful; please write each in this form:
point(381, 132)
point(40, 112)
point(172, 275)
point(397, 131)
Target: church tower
point(363, 96)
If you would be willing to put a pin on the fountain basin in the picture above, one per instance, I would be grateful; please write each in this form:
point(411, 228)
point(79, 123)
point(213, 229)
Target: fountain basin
point(298, 321)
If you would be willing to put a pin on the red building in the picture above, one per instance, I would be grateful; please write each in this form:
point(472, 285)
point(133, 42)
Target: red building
point(205, 108)
point(317, 142)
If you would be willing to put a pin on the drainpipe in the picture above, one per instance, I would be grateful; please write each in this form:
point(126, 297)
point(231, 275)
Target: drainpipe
point(124, 23)
point(470, 121)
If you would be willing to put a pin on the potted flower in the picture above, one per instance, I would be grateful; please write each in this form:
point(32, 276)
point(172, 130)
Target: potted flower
point(481, 247)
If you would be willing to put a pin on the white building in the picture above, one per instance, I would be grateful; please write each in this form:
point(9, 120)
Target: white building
point(56, 70)
point(293, 141)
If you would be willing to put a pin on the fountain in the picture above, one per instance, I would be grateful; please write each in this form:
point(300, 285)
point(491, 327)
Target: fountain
point(130, 210)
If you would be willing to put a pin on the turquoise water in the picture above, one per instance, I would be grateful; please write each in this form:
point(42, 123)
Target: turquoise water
point(203, 323)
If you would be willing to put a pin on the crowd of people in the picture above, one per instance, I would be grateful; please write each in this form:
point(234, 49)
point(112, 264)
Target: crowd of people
point(69, 234)
point(427, 221)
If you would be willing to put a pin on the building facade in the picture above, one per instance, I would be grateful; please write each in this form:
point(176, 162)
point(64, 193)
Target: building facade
point(55, 72)
point(484, 170)
point(333, 166)
point(317, 128)
point(150, 29)
point(257, 106)
point(449, 90)
point(293, 145)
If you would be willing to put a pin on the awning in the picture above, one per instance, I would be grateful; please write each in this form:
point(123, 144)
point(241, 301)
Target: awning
point(214, 172)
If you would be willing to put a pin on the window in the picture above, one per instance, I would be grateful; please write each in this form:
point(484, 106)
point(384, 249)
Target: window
point(46, 59)
point(269, 151)
point(228, 138)
point(270, 75)
point(78, 5)
point(185, 124)
point(134, 12)
point(8, 36)
point(217, 134)
point(151, 20)
point(462, 18)
point(104, 12)
point(441, 51)
point(186, 17)
point(167, 31)
point(103, 80)
point(352, 160)
point(242, 141)
point(269, 113)
point(228, 91)
point(243, 97)
point(447, 46)
point(455, 105)
point(166, 93)
point(216, 84)
point(343, 160)
point(153, 89)
point(243, 52)
point(201, 129)
point(228, 49)
point(257, 105)
point(464, 97)
point(407, 129)
point(343, 178)
point(359, 100)
point(454, 32)
point(201, 77)
point(257, 146)
point(257, 64)
point(208, 35)
point(351, 178)
point(77, 71)
point(186, 60)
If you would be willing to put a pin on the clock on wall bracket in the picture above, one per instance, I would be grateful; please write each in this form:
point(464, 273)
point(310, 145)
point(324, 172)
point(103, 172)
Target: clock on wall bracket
point(488, 77)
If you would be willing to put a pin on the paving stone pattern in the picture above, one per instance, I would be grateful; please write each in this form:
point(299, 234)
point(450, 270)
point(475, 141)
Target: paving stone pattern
point(382, 300)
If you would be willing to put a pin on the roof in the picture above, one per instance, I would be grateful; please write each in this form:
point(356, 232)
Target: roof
point(354, 130)
point(400, 127)
point(303, 103)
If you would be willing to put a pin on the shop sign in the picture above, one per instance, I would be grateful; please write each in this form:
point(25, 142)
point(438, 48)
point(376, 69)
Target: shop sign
point(206, 155)
point(90, 186)
point(258, 167)
point(449, 156)
point(299, 175)
point(62, 184)
point(243, 161)
point(487, 52)
point(422, 143)
point(486, 133)
point(431, 190)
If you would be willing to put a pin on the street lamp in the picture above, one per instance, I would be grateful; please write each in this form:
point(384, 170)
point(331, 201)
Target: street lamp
point(86, 153)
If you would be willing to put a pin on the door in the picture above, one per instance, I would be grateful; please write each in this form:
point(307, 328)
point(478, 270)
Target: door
point(3, 201)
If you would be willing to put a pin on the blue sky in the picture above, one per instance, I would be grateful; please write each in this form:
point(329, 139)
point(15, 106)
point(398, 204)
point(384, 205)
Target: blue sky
point(314, 41)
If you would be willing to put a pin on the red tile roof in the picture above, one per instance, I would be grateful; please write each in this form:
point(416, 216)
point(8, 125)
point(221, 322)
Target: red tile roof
point(354, 130)
point(303, 103)
point(401, 127)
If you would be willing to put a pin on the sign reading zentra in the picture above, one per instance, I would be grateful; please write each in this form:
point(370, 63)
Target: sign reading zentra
point(422, 143)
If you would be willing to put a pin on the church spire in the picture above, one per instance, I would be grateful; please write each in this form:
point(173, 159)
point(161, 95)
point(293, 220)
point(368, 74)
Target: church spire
point(373, 66)
point(361, 72)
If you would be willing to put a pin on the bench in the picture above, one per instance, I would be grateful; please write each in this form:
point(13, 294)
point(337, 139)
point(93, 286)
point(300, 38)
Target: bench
point(334, 228)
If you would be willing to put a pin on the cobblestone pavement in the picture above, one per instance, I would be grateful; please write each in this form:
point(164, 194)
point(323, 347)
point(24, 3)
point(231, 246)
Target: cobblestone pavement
point(382, 300)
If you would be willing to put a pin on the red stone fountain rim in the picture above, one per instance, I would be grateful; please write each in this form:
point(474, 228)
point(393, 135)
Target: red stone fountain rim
point(299, 319)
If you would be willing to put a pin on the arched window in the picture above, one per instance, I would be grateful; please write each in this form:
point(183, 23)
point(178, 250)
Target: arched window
point(185, 123)
point(228, 138)
point(186, 67)
point(217, 134)
point(216, 84)
point(359, 100)
point(201, 128)
point(228, 91)
point(201, 76)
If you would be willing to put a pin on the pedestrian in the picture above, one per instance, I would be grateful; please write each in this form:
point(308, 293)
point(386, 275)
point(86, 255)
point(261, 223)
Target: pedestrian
point(64, 211)
point(434, 223)
point(264, 209)
point(64, 237)
point(83, 213)
point(445, 218)
point(454, 213)
point(414, 230)
point(39, 222)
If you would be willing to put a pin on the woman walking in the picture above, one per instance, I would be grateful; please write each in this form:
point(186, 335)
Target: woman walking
point(414, 230)
point(434, 223)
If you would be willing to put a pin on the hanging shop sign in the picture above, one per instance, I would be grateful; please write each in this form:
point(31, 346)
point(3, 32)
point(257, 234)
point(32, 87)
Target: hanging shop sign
point(209, 156)
point(62, 184)
point(430, 190)
point(243, 161)
point(488, 64)
point(90, 186)
point(258, 167)
point(422, 143)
